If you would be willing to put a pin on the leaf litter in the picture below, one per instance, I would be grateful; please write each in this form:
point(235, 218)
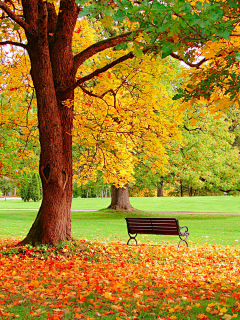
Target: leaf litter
point(92, 280)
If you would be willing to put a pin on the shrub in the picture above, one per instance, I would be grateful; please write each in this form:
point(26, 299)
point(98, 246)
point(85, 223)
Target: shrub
point(35, 187)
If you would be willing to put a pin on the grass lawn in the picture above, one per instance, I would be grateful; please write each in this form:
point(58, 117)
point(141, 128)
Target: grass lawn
point(111, 226)
point(192, 204)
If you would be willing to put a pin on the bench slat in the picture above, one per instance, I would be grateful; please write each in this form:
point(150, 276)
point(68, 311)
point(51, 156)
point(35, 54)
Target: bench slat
point(153, 231)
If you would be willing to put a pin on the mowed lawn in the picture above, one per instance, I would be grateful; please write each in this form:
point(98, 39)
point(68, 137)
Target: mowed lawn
point(111, 225)
point(193, 204)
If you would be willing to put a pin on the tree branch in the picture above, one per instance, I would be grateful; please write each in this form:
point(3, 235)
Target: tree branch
point(42, 24)
point(66, 21)
point(101, 70)
point(95, 95)
point(190, 64)
point(98, 47)
point(15, 17)
point(189, 130)
point(14, 44)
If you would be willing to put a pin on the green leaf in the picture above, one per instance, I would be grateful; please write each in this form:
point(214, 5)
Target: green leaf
point(16, 26)
point(137, 51)
point(168, 48)
point(122, 46)
point(238, 56)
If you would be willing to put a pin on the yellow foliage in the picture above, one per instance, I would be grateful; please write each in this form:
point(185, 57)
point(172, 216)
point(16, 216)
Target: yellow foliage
point(225, 93)
point(133, 119)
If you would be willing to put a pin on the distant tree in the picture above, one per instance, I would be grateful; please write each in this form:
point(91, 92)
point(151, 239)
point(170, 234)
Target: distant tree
point(207, 157)
point(138, 119)
point(5, 186)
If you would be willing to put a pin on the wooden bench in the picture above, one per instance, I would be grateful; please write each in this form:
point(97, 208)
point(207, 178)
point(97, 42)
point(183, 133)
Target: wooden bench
point(166, 226)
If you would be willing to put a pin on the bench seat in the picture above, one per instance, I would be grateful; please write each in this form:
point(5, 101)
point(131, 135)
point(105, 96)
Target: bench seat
point(164, 226)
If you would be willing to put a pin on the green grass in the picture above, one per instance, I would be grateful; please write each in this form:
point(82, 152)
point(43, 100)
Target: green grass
point(229, 204)
point(110, 225)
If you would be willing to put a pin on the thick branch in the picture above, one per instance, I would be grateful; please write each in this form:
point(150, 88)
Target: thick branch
point(14, 44)
point(43, 24)
point(190, 64)
point(52, 17)
point(101, 70)
point(98, 47)
point(15, 17)
point(66, 21)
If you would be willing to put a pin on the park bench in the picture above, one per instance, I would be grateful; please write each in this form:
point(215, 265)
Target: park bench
point(164, 226)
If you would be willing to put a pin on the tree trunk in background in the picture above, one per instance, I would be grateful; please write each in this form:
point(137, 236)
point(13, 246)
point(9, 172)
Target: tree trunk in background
point(181, 188)
point(120, 199)
point(190, 189)
point(160, 189)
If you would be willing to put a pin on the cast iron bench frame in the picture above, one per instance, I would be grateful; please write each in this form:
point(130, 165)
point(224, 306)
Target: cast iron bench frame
point(164, 226)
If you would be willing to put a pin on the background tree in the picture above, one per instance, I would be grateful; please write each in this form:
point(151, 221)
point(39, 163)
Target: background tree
point(134, 123)
point(6, 186)
point(206, 158)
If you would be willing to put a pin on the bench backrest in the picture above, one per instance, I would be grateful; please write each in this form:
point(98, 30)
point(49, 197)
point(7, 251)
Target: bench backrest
point(153, 225)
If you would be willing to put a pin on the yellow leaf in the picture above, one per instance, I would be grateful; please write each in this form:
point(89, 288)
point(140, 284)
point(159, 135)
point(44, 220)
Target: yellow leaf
point(211, 305)
point(107, 21)
point(108, 296)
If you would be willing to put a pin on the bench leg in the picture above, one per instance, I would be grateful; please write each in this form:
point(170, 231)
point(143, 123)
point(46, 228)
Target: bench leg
point(182, 240)
point(132, 237)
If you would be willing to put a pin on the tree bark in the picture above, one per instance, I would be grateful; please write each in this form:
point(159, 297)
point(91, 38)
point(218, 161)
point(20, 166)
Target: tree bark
point(160, 189)
point(120, 199)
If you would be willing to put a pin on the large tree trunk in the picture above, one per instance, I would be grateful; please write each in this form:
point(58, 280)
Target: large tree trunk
point(52, 72)
point(120, 199)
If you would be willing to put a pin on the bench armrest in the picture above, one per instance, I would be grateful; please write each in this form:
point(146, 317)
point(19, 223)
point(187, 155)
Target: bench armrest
point(184, 227)
point(183, 233)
